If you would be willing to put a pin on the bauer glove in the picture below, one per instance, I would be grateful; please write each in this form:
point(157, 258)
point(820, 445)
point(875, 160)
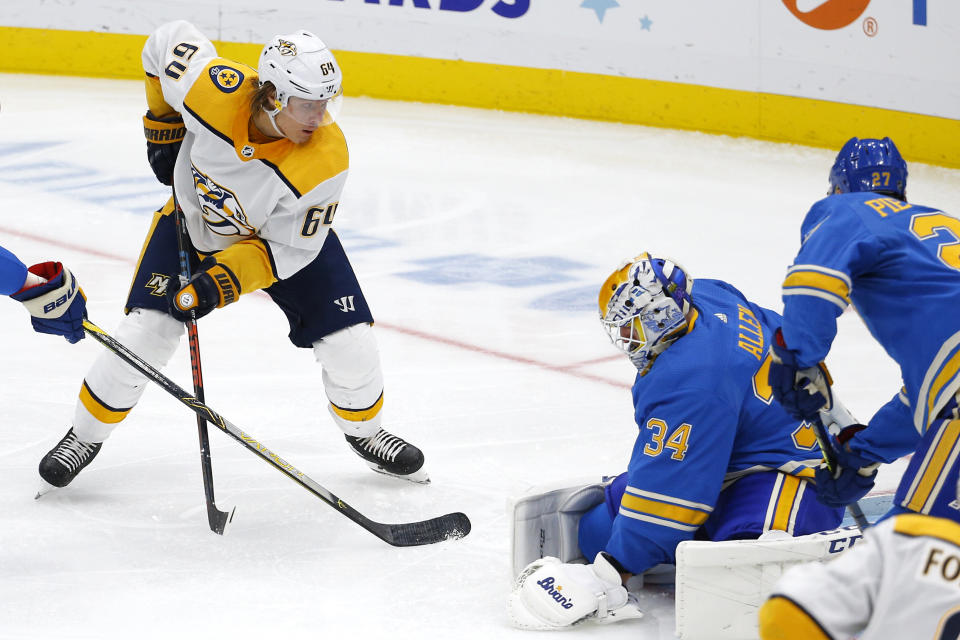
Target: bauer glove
point(58, 305)
point(164, 137)
point(801, 392)
point(213, 287)
point(852, 476)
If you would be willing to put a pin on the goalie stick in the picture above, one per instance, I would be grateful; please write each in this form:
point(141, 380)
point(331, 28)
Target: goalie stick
point(407, 534)
point(819, 430)
point(216, 518)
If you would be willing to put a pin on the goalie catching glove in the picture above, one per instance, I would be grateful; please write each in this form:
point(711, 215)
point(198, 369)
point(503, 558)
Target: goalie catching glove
point(58, 305)
point(550, 594)
point(213, 287)
point(803, 393)
point(164, 137)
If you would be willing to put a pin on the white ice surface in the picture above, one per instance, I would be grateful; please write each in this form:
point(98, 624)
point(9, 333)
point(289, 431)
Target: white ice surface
point(480, 239)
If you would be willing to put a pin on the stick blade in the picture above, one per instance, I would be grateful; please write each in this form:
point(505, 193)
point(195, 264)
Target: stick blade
point(451, 526)
point(218, 519)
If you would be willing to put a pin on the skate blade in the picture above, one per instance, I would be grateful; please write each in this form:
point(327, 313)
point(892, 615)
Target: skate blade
point(44, 489)
point(417, 477)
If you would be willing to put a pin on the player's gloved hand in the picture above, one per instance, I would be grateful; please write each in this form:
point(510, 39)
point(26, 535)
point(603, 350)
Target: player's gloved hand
point(164, 137)
point(58, 305)
point(852, 476)
point(550, 594)
point(802, 392)
point(212, 287)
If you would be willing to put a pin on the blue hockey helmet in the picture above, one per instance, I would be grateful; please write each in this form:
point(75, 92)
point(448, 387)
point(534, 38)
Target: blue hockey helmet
point(644, 306)
point(869, 165)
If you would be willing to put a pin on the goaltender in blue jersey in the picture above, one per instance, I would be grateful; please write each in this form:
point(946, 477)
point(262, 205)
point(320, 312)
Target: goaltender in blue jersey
point(898, 265)
point(716, 457)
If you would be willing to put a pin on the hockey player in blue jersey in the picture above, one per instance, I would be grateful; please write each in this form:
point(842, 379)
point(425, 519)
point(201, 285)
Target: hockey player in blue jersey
point(716, 458)
point(898, 264)
point(49, 292)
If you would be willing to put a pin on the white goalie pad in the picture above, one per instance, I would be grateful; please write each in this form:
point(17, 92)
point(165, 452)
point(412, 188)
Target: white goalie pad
point(720, 586)
point(545, 520)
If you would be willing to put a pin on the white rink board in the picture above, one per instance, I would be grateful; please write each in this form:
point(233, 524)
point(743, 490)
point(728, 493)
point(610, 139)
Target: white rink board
point(884, 58)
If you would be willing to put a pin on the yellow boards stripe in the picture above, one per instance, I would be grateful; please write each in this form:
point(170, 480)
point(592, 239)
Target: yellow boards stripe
point(656, 103)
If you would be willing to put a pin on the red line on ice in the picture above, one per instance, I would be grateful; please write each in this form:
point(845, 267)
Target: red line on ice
point(570, 370)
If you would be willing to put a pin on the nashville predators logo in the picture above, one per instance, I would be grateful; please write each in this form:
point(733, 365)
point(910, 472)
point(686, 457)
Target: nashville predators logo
point(158, 284)
point(227, 79)
point(286, 47)
point(220, 209)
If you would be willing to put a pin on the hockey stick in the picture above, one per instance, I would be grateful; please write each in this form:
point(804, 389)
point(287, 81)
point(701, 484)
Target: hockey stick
point(819, 430)
point(216, 518)
point(408, 534)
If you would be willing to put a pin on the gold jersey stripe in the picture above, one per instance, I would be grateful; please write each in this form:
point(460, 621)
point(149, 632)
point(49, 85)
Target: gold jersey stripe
point(155, 102)
point(947, 373)
point(359, 415)
point(821, 281)
point(919, 525)
point(789, 491)
point(98, 409)
point(934, 466)
point(782, 619)
point(668, 511)
point(250, 262)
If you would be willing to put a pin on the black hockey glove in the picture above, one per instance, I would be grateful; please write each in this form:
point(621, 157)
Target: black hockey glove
point(164, 137)
point(213, 287)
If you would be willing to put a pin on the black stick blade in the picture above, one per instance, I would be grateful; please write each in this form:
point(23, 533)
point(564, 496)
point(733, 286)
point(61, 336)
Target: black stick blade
point(451, 526)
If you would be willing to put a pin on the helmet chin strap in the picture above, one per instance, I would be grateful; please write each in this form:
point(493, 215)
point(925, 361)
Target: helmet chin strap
point(271, 116)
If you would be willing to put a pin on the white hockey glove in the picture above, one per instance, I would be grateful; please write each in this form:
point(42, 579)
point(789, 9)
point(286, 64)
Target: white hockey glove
point(552, 595)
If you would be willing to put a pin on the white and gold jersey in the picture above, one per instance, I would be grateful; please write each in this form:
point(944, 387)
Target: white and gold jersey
point(266, 208)
point(902, 582)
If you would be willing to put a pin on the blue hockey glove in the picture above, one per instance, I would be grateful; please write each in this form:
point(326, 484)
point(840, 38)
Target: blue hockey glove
point(852, 476)
point(58, 305)
point(801, 392)
point(164, 137)
point(213, 287)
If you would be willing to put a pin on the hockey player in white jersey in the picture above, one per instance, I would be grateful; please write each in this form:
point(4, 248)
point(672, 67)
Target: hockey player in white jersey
point(49, 292)
point(903, 582)
point(258, 165)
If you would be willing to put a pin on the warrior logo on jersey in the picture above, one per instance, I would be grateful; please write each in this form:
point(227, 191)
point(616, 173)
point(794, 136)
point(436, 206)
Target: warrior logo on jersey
point(286, 47)
point(158, 284)
point(346, 304)
point(220, 209)
point(227, 79)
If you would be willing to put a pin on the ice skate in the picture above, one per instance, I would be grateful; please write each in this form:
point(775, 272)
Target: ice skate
point(62, 463)
point(391, 455)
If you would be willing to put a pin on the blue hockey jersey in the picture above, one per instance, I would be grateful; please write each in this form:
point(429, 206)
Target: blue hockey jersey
point(12, 273)
point(898, 264)
point(706, 416)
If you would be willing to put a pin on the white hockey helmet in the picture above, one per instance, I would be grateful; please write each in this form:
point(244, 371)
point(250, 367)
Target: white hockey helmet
point(299, 65)
point(644, 306)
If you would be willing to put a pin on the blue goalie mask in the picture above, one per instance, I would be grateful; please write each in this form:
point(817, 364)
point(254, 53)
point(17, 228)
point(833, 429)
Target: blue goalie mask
point(644, 306)
point(869, 165)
